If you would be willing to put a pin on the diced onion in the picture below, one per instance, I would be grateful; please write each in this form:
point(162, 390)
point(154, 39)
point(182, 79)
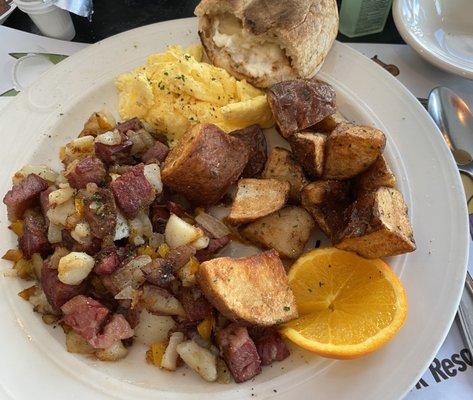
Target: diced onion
point(110, 138)
point(201, 243)
point(199, 359)
point(178, 232)
point(113, 353)
point(54, 233)
point(122, 229)
point(211, 224)
point(60, 196)
point(170, 356)
point(153, 175)
point(153, 328)
point(41, 170)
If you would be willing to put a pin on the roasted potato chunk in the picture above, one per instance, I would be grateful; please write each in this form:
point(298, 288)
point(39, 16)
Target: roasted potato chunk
point(282, 166)
point(328, 124)
point(256, 198)
point(309, 150)
point(299, 104)
point(252, 290)
point(352, 149)
point(378, 225)
point(327, 201)
point(379, 174)
point(204, 163)
point(286, 231)
point(254, 139)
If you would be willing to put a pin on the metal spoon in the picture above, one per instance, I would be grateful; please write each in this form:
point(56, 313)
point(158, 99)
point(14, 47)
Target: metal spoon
point(455, 120)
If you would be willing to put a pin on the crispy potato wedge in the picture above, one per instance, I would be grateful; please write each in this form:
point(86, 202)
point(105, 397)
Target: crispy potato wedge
point(255, 141)
point(352, 149)
point(252, 290)
point(204, 163)
point(378, 225)
point(286, 231)
point(326, 202)
point(256, 198)
point(328, 124)
point(309, 150)
point(282, 166)
point(379, 174)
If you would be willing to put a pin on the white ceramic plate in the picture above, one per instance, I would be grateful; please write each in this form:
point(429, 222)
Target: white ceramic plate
point(441, 31)
point(34, 362)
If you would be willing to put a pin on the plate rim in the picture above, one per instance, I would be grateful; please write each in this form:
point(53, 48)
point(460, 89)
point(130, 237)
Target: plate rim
point(399, 86)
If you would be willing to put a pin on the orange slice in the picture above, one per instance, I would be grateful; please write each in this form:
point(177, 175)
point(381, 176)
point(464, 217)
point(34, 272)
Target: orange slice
point(349, 306)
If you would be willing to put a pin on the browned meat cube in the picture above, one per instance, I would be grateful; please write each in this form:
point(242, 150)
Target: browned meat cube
point(204, 163)
point(24, 195)
point(195, 304)
point(44, 199)
point(132, 191)
point(57, 292)
point(282, 166)
point(255, 141)
point(327, 201)
point(133, 124)
point(299, 104)
point(271, 347)
point(88, 170)
point(351, 149)
point(117, 328)
point(309, 150)
point(107, 261)
point(159, 272)
point(239, 352)
point(378, 225)
point(158, 153)
point(101, 213)
point(85, 315)
point(379, 174)
point(35, 235)
point(115, 154)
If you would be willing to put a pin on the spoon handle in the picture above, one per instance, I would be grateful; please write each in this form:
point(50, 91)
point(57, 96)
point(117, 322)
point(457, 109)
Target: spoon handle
point(465, 311)
point(466, 169)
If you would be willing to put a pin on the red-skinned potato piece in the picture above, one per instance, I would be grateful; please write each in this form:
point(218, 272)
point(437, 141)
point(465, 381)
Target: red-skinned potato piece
point(204, 163)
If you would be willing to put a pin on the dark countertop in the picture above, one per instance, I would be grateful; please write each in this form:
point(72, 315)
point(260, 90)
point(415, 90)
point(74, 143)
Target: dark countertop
point(114, 16)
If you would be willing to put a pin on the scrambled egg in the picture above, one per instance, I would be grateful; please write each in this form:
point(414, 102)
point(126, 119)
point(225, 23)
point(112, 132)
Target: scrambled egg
point(175, 90)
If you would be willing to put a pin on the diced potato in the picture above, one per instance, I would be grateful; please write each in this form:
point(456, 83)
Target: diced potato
point(157, 300)
point(287, 231)
point(201, 243)
point(178, 232)
point(114, 353)
point(378, 225)
point(41, 170)
point(75, 343)
point(350, 150)
point(309, 150)
point(97, 123)
point(81, 233)
point(187, 274)
point(122, 229)
point(59, 215)
point(60, 196)
point(282, 166)
point(75, 267)
point(379, 174)
point(153, 328)
point(328, 124)
point(109, 138)
point(170, 356)
point(199, 359)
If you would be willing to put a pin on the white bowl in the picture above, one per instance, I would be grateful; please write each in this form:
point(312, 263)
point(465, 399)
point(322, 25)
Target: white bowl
point(441, 31)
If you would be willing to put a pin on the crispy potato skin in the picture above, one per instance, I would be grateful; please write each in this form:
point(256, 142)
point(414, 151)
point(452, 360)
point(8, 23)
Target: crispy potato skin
point(352, 149)
point(257, 198)
point(286, 231)
point(299, 104)
point(282, 166)
point(378, 225)
point(204, 163)
point(379, 174)
point(252, 290)
point(254, 139)
point(309, 150)
point(326, 201)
